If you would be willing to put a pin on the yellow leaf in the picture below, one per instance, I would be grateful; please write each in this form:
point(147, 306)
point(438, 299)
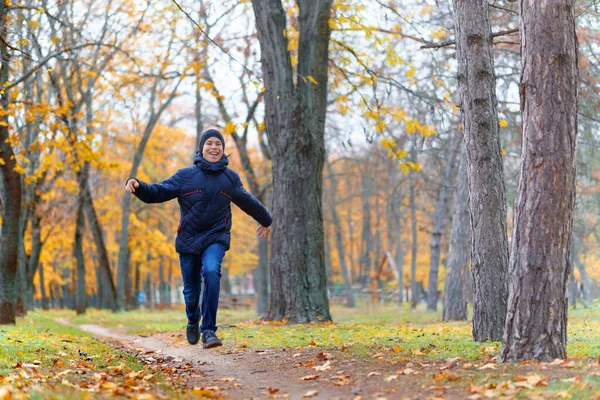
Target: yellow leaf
point(310, 78)
point(503, 123)
point(230, 127)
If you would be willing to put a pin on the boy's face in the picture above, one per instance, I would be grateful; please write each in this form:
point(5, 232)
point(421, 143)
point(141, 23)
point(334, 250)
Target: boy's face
point(212, 150)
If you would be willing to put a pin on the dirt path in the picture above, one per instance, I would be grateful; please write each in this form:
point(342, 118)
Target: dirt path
point(272, 373)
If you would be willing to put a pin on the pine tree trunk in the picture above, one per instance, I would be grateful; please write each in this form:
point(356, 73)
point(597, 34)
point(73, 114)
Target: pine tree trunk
point(536, 321)
point(457, 279)
point(295, 122)
point(487, 196)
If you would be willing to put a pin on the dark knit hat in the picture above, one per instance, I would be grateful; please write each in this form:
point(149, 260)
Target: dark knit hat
point(208, 134)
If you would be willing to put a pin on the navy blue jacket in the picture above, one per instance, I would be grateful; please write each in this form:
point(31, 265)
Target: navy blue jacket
point(204, 192)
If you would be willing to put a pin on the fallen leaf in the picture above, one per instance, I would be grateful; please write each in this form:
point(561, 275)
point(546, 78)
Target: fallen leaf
point(272, 390)
point(323, 367)
point(417, 352)
point(296, 355)
point(391, 378)
point(65, 372)
point(487, 366)
point(310, 377)
point(310, 363)
point(370, 374)
point(228, 379)
point(202, 392)
point(148, 377)
point(311, 393)
point(106, 385)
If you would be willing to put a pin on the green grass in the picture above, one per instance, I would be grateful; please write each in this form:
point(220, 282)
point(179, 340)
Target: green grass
point(392, 334)
point(37, 340)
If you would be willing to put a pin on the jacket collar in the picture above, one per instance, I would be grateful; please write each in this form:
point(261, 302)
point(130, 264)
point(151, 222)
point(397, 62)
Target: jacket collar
point(220, 165)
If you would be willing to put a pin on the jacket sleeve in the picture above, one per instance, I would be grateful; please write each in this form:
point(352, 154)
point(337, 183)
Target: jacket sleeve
point(160, 192)
point(249, 204)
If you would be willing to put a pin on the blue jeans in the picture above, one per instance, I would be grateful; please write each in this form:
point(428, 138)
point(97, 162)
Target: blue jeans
point(194, 267)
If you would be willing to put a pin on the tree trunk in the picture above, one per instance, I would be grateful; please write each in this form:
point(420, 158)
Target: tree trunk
point(439, 221)
point(34, 258)
point(457, 280)
point(367, 235)
point(338, 240)
point(137, 283)
point(415, 294)
point(295, 121)
point(536, 321)
point(11, 201)
point(43, 288)
point(81, 297)
point(487, 196)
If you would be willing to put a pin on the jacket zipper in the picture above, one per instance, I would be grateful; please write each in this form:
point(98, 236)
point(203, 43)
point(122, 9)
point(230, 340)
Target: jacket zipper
point(181, 224)
point(226, 195)
point(193, 192)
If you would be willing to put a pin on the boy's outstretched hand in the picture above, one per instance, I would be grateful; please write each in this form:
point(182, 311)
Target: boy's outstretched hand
point(262, 231)
point(131, 185)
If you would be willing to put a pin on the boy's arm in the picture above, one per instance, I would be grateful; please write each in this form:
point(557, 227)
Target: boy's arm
point(249, 204)
point(160, 192)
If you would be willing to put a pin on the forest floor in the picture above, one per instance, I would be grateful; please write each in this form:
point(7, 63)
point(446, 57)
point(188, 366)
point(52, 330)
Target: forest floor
point(369, 353)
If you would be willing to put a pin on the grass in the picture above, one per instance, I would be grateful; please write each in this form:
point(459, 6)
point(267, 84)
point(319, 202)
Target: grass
point(41, 358)
point(390, 334)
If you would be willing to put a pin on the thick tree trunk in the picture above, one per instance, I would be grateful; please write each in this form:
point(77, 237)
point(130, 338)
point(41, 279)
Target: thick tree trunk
point(536, 321)
point(439, 222)
point(295, 121)
point(11, 188)
point(457, 279)
point(487, 195)
point(366, 235)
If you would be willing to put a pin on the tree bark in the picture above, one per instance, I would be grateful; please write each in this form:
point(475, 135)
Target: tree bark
point(487, 195)
point(457, 280)
point(536, 321)
point(295, 122)
point(80, 297)
point(11, 200)
point(439, 221)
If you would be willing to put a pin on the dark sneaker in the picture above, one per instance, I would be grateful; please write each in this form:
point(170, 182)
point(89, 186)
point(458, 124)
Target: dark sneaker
point(193, 333)
point(210, 339)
